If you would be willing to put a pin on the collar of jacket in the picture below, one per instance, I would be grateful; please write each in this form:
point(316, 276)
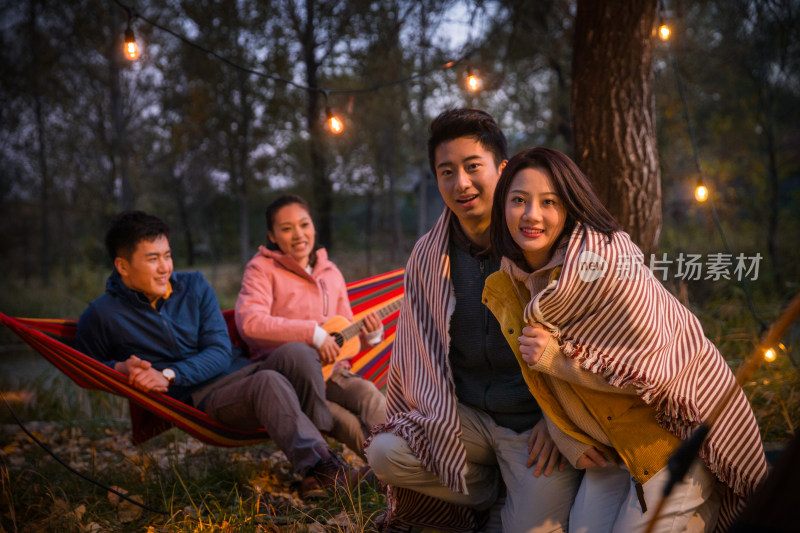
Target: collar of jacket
point(289, 263)
point(115, 286)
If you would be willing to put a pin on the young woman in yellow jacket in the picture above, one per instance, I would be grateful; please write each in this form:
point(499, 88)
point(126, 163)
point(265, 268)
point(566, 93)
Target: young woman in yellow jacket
point(621, 369)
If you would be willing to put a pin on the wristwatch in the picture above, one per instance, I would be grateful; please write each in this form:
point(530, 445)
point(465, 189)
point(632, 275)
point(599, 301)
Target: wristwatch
point(169, 375)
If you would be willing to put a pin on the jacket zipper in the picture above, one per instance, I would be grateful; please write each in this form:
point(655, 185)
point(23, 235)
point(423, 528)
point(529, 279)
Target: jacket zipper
point(324, 290)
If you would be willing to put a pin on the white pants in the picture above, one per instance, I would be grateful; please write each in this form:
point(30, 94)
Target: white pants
point(607, 502)
point(532, 505)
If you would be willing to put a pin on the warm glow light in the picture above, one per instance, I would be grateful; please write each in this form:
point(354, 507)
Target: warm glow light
point(131, 49)
point(769, 355)
point(334, 123)
point(473, 81)
point(663, 32)
point(701, 193)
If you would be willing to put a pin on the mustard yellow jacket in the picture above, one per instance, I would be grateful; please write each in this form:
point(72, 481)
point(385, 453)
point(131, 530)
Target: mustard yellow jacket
point(627, 421)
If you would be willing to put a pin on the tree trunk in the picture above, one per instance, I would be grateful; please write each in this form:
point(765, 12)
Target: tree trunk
point(119, 148)
point(44, 191)
point(244, 143)
point(321, 187)
point(614, 112)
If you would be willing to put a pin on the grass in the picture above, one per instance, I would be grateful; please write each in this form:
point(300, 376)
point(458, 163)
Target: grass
point(196, 487)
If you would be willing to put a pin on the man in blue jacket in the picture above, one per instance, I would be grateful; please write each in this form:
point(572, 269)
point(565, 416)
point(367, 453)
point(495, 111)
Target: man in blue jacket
point(165, 331)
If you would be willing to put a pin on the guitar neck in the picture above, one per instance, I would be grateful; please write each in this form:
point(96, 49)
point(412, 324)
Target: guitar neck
point(355, 328)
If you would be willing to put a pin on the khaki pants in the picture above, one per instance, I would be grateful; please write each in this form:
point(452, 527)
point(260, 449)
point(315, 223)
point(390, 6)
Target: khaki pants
point(345, 408)
point(494, 454)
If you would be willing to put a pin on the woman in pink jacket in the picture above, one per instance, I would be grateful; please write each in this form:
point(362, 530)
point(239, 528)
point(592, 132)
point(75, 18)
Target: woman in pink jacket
point(290, 288)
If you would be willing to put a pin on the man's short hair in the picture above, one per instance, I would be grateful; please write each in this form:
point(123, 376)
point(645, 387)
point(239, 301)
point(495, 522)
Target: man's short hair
point(129, 228)
point(464, 122)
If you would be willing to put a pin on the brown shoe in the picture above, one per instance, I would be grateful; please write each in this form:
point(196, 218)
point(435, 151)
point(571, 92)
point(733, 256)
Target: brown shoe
point(310, 489)
point(334, 472)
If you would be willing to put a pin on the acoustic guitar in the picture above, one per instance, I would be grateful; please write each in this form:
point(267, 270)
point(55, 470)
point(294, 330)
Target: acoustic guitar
point(347, 335)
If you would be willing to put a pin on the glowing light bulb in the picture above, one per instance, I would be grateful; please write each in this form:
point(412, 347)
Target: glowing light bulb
point(769, 355)
point(130, 47)
point(701, 193)
point(473, 81)
point(334, 123)
point(663, 32)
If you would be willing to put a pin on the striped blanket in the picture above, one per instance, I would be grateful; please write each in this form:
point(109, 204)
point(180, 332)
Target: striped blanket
point(420, 396)
point(616, 319)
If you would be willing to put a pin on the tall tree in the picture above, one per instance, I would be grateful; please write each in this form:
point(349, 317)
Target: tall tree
point(614, 112)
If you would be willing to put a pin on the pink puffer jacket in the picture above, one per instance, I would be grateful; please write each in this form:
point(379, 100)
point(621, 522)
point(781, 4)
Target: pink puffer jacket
point(280, 302)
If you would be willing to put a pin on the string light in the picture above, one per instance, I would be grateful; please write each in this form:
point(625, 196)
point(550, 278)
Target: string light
point(130, 47)
point(267, 75)
point(473, 81)
point(701, 192)
point(334, 123)
point(769, 355)
point(664, 30)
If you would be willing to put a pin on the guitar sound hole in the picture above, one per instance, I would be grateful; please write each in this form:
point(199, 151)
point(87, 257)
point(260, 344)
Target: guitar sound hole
point(337, 337)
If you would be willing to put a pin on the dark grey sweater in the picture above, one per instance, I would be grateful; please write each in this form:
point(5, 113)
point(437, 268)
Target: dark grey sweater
point(485, 370)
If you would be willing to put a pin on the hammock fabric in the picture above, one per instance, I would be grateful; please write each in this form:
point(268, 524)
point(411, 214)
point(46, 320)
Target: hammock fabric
point(152, 412)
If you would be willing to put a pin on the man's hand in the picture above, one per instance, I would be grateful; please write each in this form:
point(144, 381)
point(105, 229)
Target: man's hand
point(149, 380)
point(328, 351)
point(132, 366)
point(371, 323)
point(543, 452)
point(591, 458)
point(532, 343)
point(142, 375)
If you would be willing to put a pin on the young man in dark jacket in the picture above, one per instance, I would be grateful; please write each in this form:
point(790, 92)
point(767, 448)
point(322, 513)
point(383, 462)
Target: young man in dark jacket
point(165, 331)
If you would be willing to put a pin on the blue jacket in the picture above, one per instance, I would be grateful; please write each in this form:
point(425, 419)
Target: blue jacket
point(187, 333)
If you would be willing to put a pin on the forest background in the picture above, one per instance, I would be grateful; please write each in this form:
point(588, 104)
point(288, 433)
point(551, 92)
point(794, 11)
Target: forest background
point(205, 135)
point(85, 133)
point(225, 110)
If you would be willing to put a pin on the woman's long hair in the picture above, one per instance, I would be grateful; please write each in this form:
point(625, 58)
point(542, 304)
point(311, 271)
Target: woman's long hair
point(572, 186)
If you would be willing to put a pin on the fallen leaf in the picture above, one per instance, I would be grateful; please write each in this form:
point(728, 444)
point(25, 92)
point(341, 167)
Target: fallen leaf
point(113, 497)
point(60, 504)
point(129, 511)
point(93, 527)
point(79, 511)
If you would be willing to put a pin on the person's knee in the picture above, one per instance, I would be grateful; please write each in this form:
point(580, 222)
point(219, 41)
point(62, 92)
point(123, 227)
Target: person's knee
point(384, 455)
point(296, 360)
point(267, 384)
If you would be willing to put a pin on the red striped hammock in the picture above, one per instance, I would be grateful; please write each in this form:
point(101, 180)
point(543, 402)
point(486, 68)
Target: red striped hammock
point(153, 412)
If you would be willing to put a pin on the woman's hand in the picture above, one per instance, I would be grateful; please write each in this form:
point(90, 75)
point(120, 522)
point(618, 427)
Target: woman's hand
point(542, 451)
point(532, 343)
point(371, 323)
point(328, 351)
point(591, 458)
